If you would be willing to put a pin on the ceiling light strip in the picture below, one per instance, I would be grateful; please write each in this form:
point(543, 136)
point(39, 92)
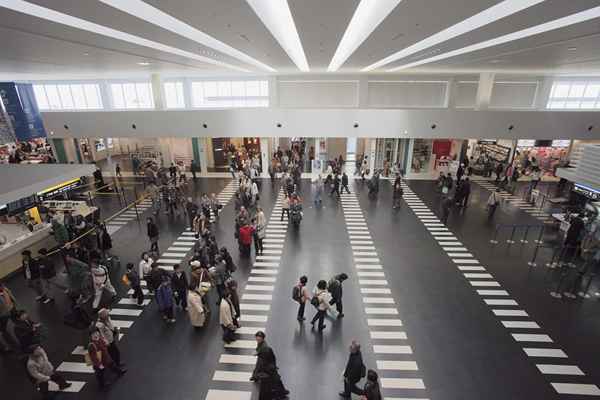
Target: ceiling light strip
point(78, 23)
point(368, 15)
point(563, 22)
point(153, 15)
point(277, 17)
point(492, 14)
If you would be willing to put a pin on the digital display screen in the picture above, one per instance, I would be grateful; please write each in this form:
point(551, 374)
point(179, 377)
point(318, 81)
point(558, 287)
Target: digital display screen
point(21, 205)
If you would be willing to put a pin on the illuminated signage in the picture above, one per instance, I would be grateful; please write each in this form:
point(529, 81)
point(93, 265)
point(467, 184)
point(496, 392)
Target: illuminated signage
point(587, 191)
point(525, 143)
point(60, 188)
point(561, 143)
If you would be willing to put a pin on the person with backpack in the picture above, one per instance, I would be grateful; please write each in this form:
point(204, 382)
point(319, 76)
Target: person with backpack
point(335, 288)
point(133, 280)
point(354, 372)
point(320, 301)
point(110, 334)
point(301, 295)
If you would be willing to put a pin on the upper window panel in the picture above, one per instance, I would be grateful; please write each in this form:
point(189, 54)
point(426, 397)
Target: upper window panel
point(131, 95)
point(68, 97)
point(229, 94)
point(575, 95)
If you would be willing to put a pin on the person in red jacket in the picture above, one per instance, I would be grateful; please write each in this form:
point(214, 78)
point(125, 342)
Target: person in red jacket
point(246, 234)
point(101, 359)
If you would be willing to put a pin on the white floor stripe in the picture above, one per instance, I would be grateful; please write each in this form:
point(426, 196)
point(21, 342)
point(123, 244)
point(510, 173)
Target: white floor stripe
point(183, 254)
point(378, 300)
point(367, 273)
point(543, 352)
point(500, 302)
point(453, 248)
point(266, 264)
point(484, 283)
point(179, 249)
point(367, 260)
point(443, 236)
point(144, 291)
point(384, 322)
point(391, 349)
point(492, 292)
point(383, 311)
point(465, 261)
point(125, 311)
point(520, 324)
point(365, 253)
point(397, 365)
point(388, 335)
point(122, 324)
point(232, 376)
point(249, 330)
point(253, 318)
point(183, 244)
point(276, 258)
point(170, 261)
point(260, 288)
point(576, 389)
point(237, 359)
point(436, 234)
point(359, 242)
point(528, 337)
point(78, 367)
point(468, 255)
point(510, 313)
point(371, 267)
point(251, 296)
point(76, 387)
point(478, 276)
point(372, 282)
point(133, 302)
point(255, 307)
point(261, 279)
point(470, 268)
point(402, 383)
point(375, 291)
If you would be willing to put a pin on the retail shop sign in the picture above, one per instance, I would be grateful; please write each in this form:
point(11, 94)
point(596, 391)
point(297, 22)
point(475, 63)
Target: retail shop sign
point(587, 191)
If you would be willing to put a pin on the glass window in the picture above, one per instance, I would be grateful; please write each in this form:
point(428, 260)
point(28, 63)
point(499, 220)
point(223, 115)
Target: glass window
point(576, 95)
point(230, 94)
point(40, 97)
point(174, 95)
point(53, 97)
point(132, 95)
point(65, 97)
point(117, 96)
point(144, 95)
point(78, 97)
point(92, 96)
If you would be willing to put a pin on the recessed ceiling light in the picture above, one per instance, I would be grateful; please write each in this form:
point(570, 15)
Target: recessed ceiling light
point(86, 54)
point(277, 17)
point(151, 14)
point(572, 19)
point(492, 14)
point(143, 64)
point(368, 15)
point(48, 14)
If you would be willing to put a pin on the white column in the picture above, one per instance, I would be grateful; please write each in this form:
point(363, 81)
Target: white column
point(363, 91)
point(203, 162)
point(372, 151)
point(265, 156)
point(484, 90)
point(451, 92)
point(157, 92)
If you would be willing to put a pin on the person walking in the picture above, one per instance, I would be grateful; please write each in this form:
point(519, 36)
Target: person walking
point(134, 283)
point(301, 295)
point(47, 274)
point(191, 209)
point(499, 170)
point(8, 308)
point(99, 358)
point(101, 282)
point(26, 330)
point(245, 236)
point(320, 300)
point(228, 318)
point(260, 231)
point(145, 267)
point(266, 371)
point(179, 283)
point(42, 371)
point(335, 288)
point(231, 286)
point(318, 190)
point(446, 207)
point(345, 182)
point(285, 207)
point(354, 372)
point(152, 230)
point(493, 202)
point(110, 335)
point(371, 389)
point(397, 195)
point(164, 299)
point(335, 188)
point(118, 171)
point(33, 277)
point(466, 192)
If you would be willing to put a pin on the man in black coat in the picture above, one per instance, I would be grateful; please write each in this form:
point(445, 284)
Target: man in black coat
point(265, 371)
point(335, 288)
point(354, 372)
point(345, 183)
point(179, 283)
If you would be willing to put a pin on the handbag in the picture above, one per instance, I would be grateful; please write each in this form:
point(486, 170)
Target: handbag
point(125, 280)
point(88, 359)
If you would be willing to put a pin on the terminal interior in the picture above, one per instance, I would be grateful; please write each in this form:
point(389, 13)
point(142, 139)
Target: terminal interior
point(439, 161)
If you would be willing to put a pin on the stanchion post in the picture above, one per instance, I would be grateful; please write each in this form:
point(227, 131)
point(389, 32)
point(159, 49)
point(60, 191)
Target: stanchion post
point(494, 239)
point(538, 242)
point(512, 235)
point(524, 240)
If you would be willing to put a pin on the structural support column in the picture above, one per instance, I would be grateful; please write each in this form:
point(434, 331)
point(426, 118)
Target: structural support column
point(202, 148)
point(58, 147)
point(264, 156)
point(372, 152)
point(157, 92)
point(484, 90)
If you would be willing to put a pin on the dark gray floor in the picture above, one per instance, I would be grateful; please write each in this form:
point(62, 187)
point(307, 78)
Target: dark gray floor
point(462, 350)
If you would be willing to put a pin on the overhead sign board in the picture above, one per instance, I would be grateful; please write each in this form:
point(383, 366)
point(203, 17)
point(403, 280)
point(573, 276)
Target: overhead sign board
point(587, 191)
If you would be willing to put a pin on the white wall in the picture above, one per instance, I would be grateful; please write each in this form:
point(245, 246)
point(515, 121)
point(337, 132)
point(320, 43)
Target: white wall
point(415, 123)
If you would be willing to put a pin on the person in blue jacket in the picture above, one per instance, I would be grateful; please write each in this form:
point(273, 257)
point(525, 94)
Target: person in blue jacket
point(164, 299)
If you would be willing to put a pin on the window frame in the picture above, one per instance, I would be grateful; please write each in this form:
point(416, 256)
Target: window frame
point(567, 103)
point(230, 101)
point(44, 84)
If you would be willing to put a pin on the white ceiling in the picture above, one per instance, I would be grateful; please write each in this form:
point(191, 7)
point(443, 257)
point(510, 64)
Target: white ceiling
point(32, 47)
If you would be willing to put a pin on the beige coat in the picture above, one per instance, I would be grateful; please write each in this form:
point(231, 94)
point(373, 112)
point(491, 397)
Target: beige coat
point(226, 313)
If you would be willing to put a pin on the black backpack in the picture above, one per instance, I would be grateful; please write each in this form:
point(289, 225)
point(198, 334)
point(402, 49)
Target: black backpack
point(297, 293)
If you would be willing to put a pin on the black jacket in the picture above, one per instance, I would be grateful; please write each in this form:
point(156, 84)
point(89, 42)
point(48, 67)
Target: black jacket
point(26, 334)
point(372, 391)
point(152, 229)
point(344, 179)
point(34, 268)
point(179, 284)
point(335, 288)
point(354, 368)
point(47, 269)
point(266, 363)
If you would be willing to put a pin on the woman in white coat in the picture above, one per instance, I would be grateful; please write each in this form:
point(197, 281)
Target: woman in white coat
point(228, 318)
point(260, 232)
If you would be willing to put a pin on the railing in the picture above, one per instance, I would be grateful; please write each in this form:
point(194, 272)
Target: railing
point(523, 232)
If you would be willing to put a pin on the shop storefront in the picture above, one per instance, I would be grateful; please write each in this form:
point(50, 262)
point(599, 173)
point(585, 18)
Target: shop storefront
point(431, 156)
point(546, 154)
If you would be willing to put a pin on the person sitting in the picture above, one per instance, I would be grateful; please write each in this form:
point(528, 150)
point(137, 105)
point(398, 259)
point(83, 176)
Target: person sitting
point(42, 371)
